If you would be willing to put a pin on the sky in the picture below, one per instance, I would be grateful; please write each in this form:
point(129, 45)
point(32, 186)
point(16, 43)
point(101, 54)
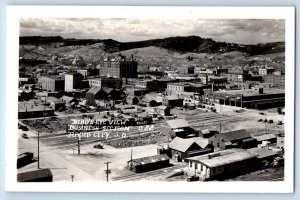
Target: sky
point(243, 31)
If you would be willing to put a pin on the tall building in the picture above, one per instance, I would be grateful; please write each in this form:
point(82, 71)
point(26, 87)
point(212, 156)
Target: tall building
point(119, 68)
point(52, 83)
point(109, 82)
point(73, 81)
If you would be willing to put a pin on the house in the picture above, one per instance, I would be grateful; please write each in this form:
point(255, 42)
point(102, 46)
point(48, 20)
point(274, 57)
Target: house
point(233, 139)
point(223, 163)
point(185, 148)
point(172, 101)
point(178, 128)
point(163, 110)
point(42, 175)
point(265, 137)
point(149, 163)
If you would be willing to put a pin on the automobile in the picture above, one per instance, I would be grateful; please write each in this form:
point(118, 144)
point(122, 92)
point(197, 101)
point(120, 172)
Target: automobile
point(261, 113)
point(265, 120)
point(192, 178)
point(24, 135)
point(271, 121)
point(98, 146)
point(260, 120)
point(279, 122)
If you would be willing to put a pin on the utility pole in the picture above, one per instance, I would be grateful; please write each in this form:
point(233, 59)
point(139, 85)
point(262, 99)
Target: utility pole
point(72, 177)
point(78, 145)
point(38, 148)
point(220, 127)
point(266, 125)
point(107, 171)
point(131, 160)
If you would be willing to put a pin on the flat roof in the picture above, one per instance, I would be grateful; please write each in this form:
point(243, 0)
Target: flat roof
point(225, 157)
point(251, 92)
point(31, 107)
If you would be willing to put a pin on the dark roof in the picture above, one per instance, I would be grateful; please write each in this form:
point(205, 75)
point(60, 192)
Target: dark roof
point(33, 175)
point(149, 159)
point(234, 135)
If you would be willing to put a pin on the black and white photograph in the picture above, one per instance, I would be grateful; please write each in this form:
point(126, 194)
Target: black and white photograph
point(143, 99)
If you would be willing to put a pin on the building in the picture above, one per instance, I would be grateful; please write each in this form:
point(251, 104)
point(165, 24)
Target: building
point(185, 148)
point(265, 71)
point(185, 89)
point(73, 82)
point(258, 98)
point(69, 101)
point(55, 103)
point(186, 69)
point(83, 72)
point(223, 163)
point(172, 101)
point(32, 110)
point(265, 137)
point(25, 95)
point(108, 82)
point(150, 163)
point(132, 100)
point(52, 83)
point(98, 93)
point(152, 85)
point(162, 110)
point(275, 80)
point(233, 139)
point(236, 75)
point(119, 68)
point(41, 175)
point(178, 128)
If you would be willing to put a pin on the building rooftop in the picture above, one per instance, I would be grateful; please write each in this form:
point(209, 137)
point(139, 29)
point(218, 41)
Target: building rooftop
point(251, 92)
point(31, 107)
point(173, 97)
point(55, 77)
point(183, 145)
point(262, 152)
point(177, 123)
point(149, 159)
point(234, 135)
point(264, 137)
point(223, 157)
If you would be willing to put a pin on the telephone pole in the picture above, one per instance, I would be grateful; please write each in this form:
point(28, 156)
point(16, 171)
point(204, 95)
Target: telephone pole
point(131, 160)
point(107, 171)
point(78, 145)
point(38, 149)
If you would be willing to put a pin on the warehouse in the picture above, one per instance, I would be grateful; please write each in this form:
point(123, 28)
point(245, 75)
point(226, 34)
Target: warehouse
point(233, 139)
point(258, 98)
point(150, 163)
point(223, 163)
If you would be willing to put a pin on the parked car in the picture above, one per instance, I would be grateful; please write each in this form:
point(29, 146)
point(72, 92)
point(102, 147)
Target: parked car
point(260, 120)
point(24, 135)
point(192, 178)
point(271, 121)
